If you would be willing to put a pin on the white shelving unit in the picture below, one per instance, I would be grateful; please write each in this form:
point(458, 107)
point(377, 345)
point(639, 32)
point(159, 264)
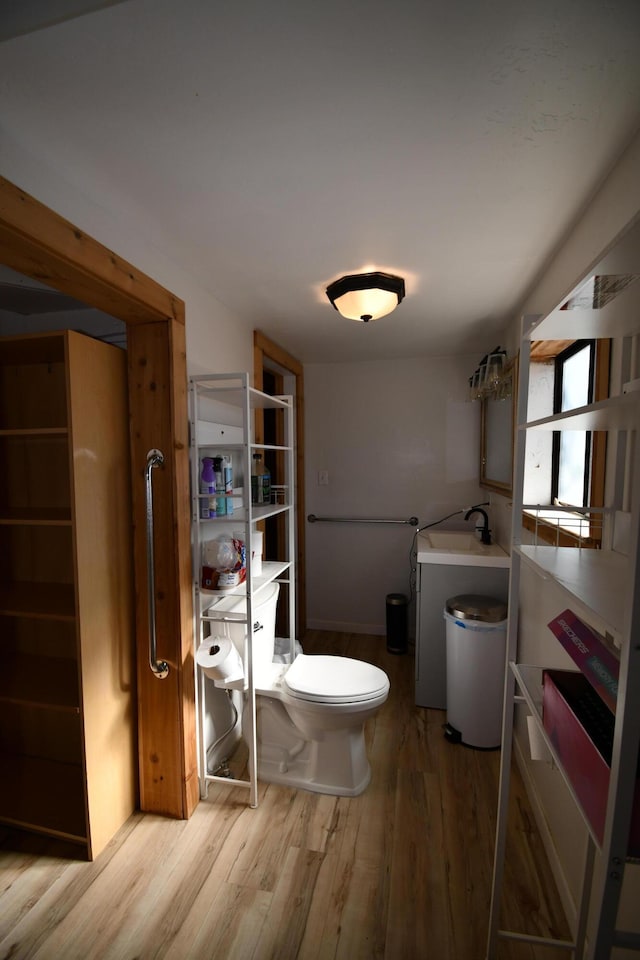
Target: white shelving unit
point(602, 587)
point(223, 410)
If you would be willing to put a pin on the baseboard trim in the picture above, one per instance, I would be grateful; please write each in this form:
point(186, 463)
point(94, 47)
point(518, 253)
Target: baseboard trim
point(377, 629)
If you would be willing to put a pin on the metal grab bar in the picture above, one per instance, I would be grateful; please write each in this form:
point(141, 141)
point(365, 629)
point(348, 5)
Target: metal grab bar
point(159, 669)
point(412, 521)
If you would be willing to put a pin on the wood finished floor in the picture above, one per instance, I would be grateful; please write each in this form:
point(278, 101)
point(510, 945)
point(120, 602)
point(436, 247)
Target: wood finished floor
point(402, 872)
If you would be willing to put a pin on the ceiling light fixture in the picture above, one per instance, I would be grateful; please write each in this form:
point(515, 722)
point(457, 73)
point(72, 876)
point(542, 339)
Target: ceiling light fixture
point(366, 296)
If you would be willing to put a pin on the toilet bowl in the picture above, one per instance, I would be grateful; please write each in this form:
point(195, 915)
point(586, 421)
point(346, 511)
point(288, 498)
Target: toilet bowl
point(310, 723)
point(311, 713)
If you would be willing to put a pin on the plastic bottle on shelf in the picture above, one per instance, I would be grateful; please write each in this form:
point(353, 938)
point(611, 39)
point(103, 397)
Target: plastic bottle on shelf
point(266, 485)
point(221, 503)
point(207, 487)
point(257, 539)
point(257, 491)
point(227, 471)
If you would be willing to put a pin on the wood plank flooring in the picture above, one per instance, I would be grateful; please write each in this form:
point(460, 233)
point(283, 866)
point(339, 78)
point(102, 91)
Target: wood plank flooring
point(402, 872)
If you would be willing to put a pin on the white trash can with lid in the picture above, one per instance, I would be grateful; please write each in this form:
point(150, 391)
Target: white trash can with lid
point(476, 632)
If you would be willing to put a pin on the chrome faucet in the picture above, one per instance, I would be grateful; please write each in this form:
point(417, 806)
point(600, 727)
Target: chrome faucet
point(485, 533)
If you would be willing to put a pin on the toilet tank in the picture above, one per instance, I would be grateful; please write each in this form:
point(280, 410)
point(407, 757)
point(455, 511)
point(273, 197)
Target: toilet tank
point(264, 623)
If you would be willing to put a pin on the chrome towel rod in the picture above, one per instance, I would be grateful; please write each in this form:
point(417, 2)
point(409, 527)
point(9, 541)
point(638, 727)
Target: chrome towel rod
point(412, 521)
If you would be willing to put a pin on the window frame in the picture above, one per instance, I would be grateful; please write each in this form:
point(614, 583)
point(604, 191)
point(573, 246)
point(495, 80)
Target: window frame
point(545, 530)
point(559, 366)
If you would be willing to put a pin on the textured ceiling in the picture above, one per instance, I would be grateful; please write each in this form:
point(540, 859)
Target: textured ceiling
point(269, 147)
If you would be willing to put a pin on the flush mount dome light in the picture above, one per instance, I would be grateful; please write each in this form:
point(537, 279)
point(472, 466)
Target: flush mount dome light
point(366, 296)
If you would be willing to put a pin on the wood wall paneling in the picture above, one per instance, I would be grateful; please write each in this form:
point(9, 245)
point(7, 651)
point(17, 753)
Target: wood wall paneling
point(104, 595)
point(167, 756)
point(36, 241)
point(182, 558)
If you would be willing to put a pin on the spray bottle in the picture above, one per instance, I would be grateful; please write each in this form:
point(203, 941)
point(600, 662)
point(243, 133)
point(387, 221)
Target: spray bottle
point(207, 487)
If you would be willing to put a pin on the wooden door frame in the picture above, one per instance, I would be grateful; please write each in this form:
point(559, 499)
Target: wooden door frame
point(40, 244)
point(264, 352)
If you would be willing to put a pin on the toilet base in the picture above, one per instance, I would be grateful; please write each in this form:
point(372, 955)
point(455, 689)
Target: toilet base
point(299, 774)
point(336, 765)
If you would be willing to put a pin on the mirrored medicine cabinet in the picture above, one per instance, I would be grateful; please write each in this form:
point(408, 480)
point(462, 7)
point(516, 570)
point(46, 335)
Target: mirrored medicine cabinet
point(497, 433)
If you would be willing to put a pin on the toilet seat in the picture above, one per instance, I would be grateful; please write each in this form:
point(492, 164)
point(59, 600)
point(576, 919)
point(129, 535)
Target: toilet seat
point(329, 679)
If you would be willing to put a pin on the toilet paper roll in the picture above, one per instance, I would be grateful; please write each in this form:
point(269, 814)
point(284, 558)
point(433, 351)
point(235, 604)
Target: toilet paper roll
point(219, 659)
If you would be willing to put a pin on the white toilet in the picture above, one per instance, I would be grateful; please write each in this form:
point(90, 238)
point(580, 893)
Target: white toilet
point(310, 713)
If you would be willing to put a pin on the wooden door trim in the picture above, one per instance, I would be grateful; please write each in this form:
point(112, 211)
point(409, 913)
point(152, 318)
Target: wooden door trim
point(264, 348)
point(41, 244)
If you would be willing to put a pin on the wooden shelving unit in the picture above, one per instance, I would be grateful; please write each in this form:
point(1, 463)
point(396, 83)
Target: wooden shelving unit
point(66, 635)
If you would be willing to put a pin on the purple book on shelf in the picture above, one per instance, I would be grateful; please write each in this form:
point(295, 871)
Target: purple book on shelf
point(589, 651)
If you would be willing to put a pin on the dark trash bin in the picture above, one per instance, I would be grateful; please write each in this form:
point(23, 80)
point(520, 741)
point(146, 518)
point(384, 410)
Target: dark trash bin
point(397, 604)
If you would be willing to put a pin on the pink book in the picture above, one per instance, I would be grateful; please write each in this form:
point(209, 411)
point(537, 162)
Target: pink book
point(590, 652)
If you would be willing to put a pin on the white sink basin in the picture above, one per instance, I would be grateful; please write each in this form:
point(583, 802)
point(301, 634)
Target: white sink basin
point(453, 540)
point(459, 547)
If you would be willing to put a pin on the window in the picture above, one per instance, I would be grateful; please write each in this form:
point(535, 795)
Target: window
point(566, 468)
point(571, 460)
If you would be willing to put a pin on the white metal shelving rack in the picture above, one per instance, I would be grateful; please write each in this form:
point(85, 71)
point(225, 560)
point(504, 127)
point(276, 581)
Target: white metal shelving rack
point(222, 420)
point(603, 588)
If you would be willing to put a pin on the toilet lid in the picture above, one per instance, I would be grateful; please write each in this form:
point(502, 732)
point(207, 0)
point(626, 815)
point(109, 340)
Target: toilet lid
point(334, 679)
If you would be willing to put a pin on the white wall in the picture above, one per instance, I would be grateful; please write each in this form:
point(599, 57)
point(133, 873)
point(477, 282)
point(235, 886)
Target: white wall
point(217, 340)
point(611, 209)
point(398, 439)
point(402, 439)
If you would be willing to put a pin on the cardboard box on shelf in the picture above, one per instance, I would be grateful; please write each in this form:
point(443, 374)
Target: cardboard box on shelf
point(580, 727)
point(591, 653)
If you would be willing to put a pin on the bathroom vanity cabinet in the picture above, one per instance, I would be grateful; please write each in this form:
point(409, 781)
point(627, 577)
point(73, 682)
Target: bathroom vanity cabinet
point(224, 422)
point(464, 565)
point(436, 584)
point(601, 587)
point(67, 704)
